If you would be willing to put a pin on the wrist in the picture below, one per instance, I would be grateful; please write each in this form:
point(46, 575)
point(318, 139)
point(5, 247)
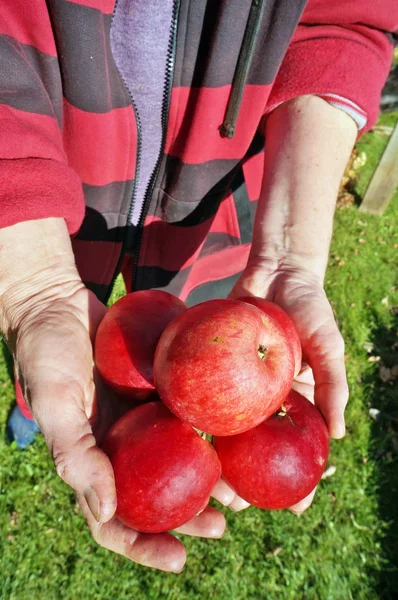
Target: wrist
point(273, 276)
point(308, 143)
point(36, 267)
point(276, 259)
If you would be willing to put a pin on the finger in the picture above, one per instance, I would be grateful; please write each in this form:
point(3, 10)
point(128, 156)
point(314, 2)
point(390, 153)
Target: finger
point(325, 353)
point(238, 504)
point(303, 504)
point(304, 383)
point(160, 551)
point(223, 492)
point(228, 497)
point(56, 362)
point(79, 461)
point(208, 524)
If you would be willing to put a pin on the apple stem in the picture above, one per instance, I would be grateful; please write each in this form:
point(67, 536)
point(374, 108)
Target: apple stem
point(282, 412)
point(202, 434)
point(262, 351)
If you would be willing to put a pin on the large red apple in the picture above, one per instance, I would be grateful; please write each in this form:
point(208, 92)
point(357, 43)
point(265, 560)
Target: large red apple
point(224, 366)
point(278, 463)
point(281, 317)
point(127, 337)
point(164, 471)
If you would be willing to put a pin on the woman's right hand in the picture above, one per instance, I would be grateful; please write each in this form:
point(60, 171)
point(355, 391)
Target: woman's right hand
point(49, 320)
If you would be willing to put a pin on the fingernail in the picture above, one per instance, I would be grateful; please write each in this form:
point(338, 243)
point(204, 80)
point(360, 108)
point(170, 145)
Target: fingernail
point(339, 430)
point(238, 505)
point(107, 510)
point(93, 502)
point(216, 535)
point(177, 572)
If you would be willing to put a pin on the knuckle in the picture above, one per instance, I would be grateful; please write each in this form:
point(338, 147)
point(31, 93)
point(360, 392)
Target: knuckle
point(62, 462)
point(66, 465)
point(98, 535)
point(128, 544)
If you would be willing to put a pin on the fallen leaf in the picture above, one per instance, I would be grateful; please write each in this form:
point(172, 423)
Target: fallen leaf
point(368, 346)
point(373, 359)
point(329, 472)
point(374, 414)
point(359, 161)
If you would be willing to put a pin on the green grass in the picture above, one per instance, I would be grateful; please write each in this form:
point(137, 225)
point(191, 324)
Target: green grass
point(345, 546)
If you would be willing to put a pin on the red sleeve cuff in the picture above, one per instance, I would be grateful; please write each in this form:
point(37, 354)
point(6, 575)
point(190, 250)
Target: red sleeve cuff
point(36, 188)
point(339, 66)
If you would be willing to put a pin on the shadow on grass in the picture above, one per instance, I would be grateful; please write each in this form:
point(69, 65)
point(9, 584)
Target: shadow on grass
point(9, 363)
point(383, 385)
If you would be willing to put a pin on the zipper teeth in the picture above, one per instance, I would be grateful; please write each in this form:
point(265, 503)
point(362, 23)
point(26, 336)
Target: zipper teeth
point(136, 175)
point(164, 118)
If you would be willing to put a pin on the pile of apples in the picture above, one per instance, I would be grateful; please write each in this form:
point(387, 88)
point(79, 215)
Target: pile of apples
point(222, 367)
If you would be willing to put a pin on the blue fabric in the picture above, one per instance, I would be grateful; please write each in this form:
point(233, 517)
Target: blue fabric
point(21, 429)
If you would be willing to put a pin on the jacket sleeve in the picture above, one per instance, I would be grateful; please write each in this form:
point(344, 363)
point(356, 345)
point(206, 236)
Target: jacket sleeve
point(35, 180)
point(341, 51)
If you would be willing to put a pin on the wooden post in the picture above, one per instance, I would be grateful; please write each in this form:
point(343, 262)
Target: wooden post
point(385, 179)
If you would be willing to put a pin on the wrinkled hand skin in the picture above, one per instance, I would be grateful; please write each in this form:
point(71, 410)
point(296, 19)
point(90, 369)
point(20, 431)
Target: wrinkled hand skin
point(300, 293)
point(52, 345)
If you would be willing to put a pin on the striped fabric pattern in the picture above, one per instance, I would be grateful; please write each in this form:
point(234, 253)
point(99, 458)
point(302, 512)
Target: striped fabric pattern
point(66, 116)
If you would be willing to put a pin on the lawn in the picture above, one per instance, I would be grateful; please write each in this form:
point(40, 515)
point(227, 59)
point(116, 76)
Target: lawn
point(345, 546)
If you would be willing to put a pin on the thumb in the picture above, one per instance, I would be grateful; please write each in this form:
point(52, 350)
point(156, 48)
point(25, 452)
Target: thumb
point(325, 354)
point(77, 458)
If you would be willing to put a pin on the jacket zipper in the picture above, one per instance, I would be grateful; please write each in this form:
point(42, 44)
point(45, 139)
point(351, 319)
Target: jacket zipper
point(164, 119)
point(170, 59)
point(136, 175)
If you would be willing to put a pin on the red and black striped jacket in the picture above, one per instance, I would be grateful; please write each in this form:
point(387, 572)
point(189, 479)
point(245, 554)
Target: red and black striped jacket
point(69, 138)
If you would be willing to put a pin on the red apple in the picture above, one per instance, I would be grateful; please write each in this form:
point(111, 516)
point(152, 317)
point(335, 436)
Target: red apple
point(224, 366)
point(164, 471)
point(127, 337)
point(279, 462)
point(281, 317)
